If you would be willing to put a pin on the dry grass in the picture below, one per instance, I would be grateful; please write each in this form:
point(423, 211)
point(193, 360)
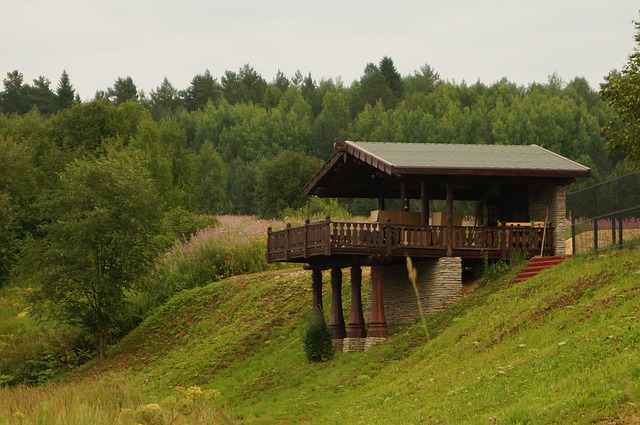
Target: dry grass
point(584, 240)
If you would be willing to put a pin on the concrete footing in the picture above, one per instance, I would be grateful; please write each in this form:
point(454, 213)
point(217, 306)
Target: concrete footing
point(352, 345)
point(372, 341)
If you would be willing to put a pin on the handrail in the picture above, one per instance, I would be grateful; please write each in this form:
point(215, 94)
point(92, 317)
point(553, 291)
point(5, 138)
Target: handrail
point(333, 237)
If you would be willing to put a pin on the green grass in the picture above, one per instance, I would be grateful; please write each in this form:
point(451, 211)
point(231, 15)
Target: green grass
point(558, 348)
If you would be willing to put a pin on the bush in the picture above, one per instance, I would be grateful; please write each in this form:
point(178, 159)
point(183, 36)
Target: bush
point(317, 339)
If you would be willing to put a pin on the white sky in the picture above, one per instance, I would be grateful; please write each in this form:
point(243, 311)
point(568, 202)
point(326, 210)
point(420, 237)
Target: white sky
point(97, 41)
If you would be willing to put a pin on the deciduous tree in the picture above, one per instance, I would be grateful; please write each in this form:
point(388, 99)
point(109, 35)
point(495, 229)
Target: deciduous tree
point(622, 91)
point(104, 218)
point(281, 181)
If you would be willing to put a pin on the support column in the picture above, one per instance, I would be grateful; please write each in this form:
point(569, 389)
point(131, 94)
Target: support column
point(449, 220)
point(316, 287)
point(356, 328)
point(424, 203)
point(378, 322)
point(336, 321)
point(403, 195)
point(356, 332)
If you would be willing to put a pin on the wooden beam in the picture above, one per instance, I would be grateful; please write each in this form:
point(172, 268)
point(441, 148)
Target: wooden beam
point(403, 195)
point(356, 326)
point(316, 287)
point(336, 321)
point(378, 322)
point(424, 203)
point(449, 220)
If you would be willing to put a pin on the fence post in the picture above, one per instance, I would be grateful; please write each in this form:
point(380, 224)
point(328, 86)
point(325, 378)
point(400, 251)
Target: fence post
point(620, 230)
point(573, 234)
point(388, 236)
point(305, 248)
point(286, 242)
point(503, 241)
point(327, 236)
point(268, 243)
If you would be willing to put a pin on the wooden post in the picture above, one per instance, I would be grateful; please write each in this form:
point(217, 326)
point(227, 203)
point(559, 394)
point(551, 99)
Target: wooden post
point(286, 242)
point(595, 234)
point(573, 235)
point(269, 244)
point(424, 203)
point(316, 288)
point(305, 248)
point(327, 236)
point(620, 241)
point(336, 321)
point(503, 241)
point(388, 237)
point(356, 328)
point(403, 195)
point(449, 220)
point(378, 322)
point(381, 203)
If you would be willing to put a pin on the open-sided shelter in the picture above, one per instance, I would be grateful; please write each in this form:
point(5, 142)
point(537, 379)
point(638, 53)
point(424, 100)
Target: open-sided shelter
point(519, 195)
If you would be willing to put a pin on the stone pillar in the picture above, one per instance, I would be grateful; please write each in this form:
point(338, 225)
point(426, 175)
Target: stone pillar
point(336, 320)
point(559, 219)
point(439, 286)
point(555, 199)
point(378, 322)
point(316, 287)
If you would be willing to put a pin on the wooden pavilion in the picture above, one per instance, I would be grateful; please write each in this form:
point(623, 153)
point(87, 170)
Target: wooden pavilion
point(520, 205)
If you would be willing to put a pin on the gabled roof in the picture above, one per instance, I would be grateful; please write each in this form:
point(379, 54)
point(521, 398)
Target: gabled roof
point(441, 160)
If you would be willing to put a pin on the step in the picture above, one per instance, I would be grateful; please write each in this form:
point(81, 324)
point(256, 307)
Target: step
point(536, 265)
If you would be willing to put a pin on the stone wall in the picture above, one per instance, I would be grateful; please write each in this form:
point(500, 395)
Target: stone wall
point(439, 285)
point(539, 197)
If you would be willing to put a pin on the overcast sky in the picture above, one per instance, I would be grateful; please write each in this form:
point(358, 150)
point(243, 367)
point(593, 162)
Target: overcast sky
point(97, 41)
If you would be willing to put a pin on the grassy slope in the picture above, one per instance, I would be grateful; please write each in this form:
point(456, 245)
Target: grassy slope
point(559, 348)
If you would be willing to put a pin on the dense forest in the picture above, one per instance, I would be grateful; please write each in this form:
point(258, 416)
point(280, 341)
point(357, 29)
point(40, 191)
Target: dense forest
point(91, 193)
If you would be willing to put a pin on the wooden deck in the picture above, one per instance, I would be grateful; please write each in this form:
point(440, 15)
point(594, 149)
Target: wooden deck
point(317, 242)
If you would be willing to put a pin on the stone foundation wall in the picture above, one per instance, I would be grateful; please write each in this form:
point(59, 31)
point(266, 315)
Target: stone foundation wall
point(439, 285)
point(539, 197)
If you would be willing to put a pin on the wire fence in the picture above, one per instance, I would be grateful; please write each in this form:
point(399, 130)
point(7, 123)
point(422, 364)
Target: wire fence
point(604, 215)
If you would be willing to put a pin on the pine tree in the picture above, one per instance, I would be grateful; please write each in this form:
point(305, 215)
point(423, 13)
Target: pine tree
point(65, 93)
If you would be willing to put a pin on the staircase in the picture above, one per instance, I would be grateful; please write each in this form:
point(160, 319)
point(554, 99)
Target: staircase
point(536, 265)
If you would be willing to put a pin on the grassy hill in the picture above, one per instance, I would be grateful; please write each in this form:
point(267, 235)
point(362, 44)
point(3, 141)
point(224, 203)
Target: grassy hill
point(559, 348)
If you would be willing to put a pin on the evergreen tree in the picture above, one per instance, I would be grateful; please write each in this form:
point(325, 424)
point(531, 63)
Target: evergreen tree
point(204, 88)
point(65, 92)
point(123, 90)
point(164, 99)
point(392, 76)
point(12, 100)
point(40, 96)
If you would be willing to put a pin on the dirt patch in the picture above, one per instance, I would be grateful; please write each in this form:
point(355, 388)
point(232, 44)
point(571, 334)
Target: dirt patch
point(469, 287)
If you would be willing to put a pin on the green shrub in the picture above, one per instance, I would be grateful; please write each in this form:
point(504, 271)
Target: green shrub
point(317, 339)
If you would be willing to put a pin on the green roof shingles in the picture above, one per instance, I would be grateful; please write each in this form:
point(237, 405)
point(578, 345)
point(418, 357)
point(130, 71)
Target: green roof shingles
point(456, 156)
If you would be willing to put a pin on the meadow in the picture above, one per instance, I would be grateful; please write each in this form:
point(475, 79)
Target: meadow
point(561, 347)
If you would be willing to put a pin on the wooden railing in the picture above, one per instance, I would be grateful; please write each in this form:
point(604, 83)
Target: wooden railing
point(357, 238)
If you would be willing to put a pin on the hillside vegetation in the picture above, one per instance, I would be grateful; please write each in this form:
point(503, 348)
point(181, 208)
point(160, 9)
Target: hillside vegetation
point(559, 348)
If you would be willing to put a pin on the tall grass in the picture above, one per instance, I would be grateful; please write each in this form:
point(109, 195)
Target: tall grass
point(237, 246)
point(110, 400)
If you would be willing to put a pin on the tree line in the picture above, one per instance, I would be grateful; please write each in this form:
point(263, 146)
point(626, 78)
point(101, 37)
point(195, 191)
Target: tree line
point(247, 146)
point(92, 192)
